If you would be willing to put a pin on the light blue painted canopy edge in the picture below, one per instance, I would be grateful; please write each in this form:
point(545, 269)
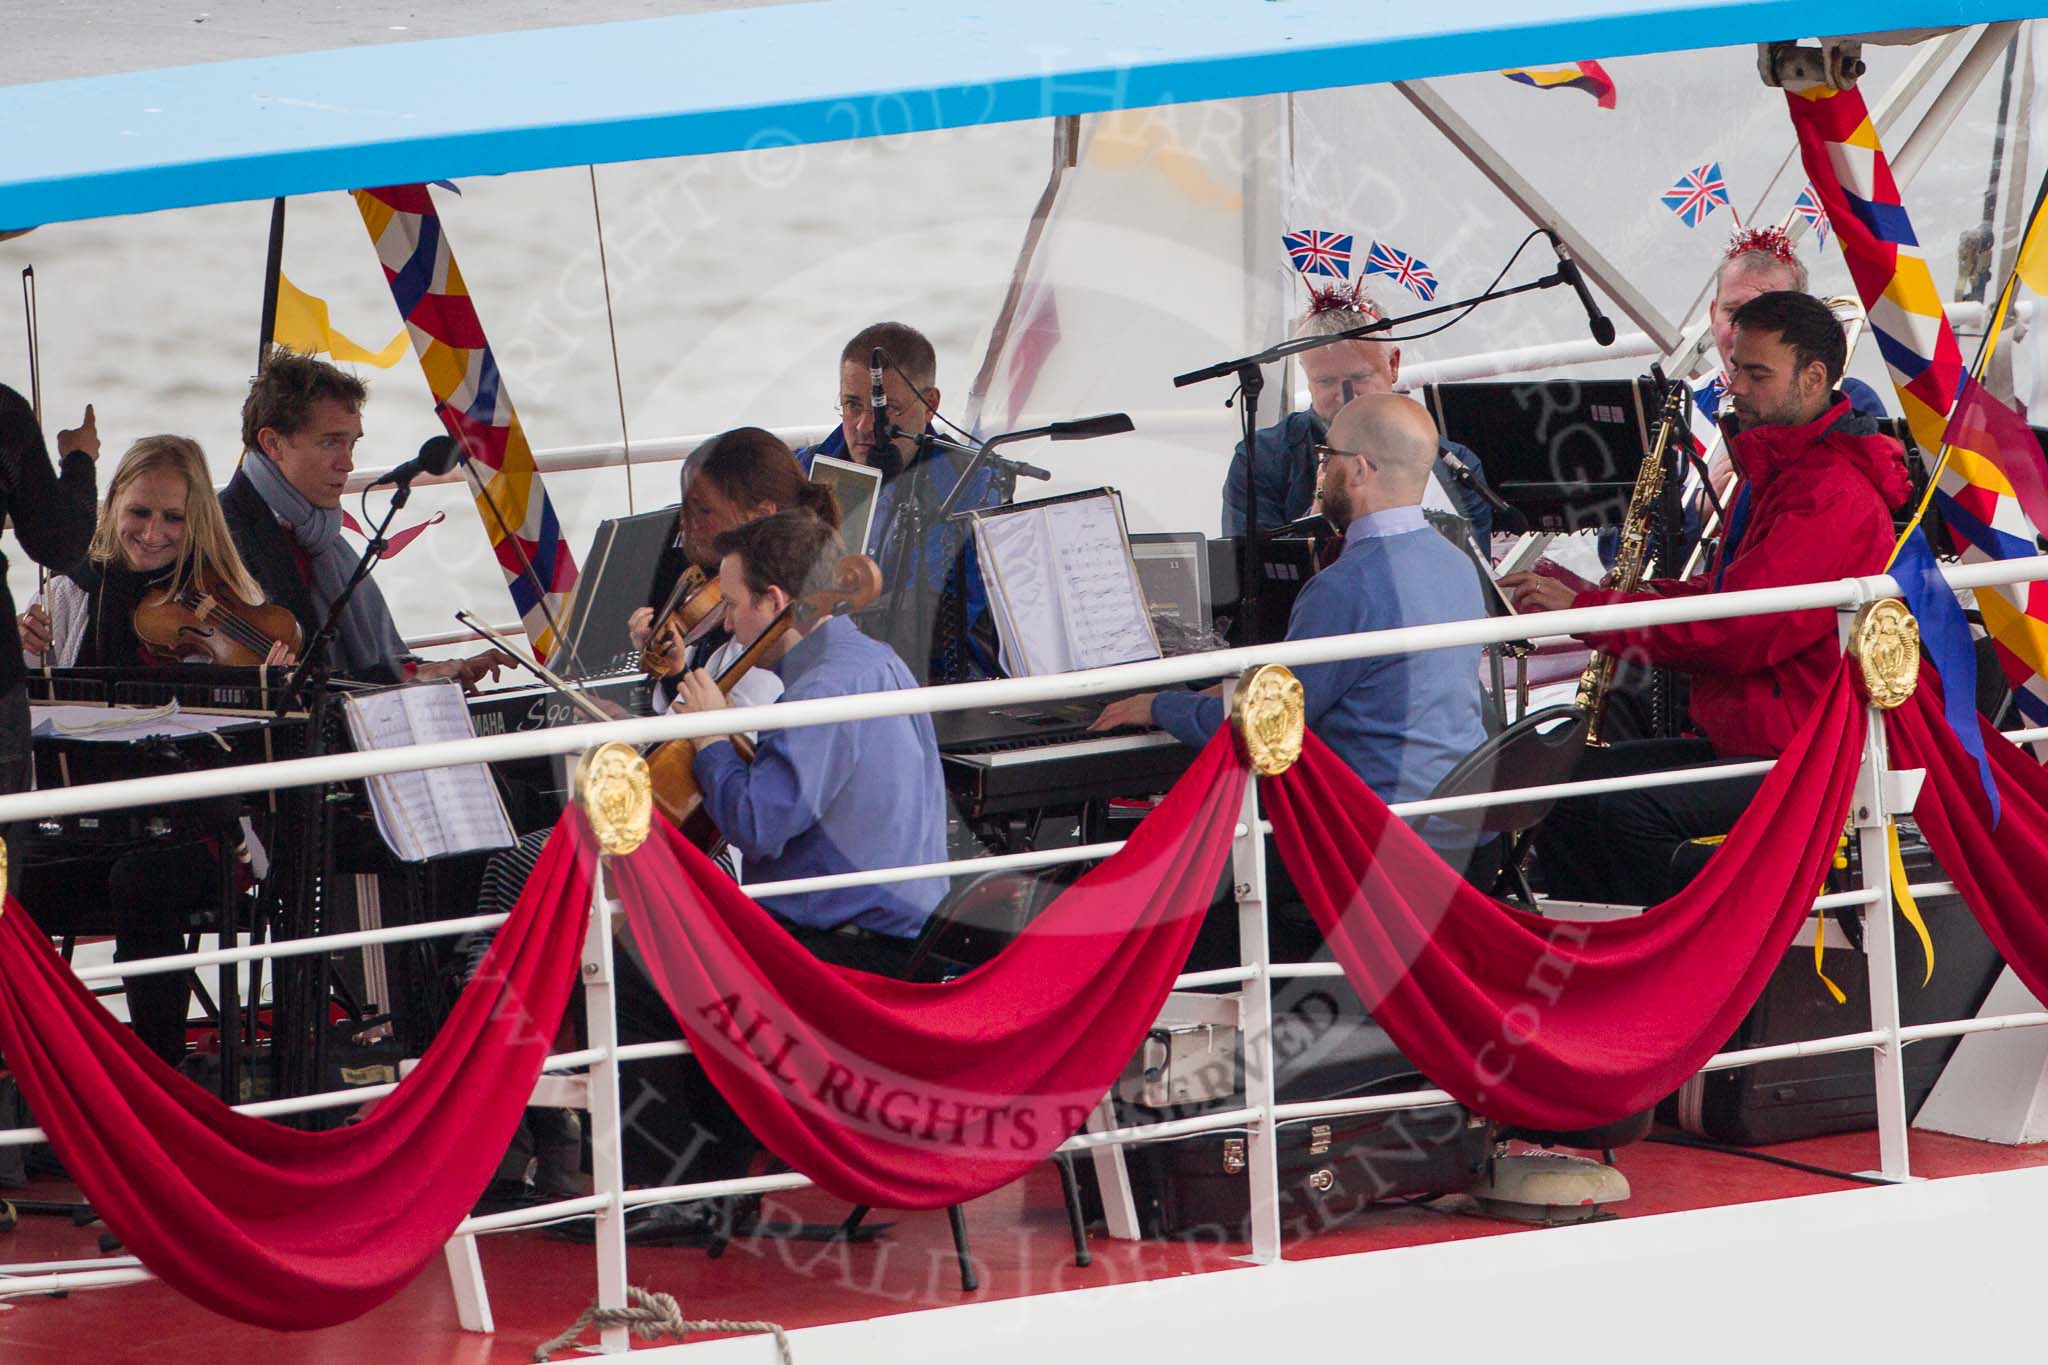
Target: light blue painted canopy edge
point(785, 75)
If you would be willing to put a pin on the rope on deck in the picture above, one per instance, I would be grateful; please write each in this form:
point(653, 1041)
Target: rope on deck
point(654, 1316)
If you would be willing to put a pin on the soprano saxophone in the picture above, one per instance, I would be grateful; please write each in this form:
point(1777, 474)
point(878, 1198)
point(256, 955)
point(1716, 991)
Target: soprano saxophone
point(1630, 560)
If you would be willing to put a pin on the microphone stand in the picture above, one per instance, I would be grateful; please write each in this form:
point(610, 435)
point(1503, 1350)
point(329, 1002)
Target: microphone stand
point(903, 542)
point(301, 1054)
point(1081, 429)
point(1251, 381)
point(312, 676)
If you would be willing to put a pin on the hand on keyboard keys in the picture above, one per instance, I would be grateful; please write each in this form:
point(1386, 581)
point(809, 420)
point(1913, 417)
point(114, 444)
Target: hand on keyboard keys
point(1125, 715)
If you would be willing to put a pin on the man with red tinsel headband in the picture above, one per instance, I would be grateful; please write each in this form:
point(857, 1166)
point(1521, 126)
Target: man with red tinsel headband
point(1286, 474)
point(1758, 261)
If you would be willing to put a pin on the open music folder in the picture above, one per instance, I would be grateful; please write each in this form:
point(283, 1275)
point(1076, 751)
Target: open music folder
point(1062, 585)
point(437, 811)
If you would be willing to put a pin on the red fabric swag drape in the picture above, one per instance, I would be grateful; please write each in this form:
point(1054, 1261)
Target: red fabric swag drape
point(2001, 873)
point(268, 1224)
point(916, 1096)
point(1556, 1024)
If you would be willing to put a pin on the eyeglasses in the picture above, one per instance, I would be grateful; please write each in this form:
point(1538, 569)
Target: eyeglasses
point(850, 410)
point(1323, 454)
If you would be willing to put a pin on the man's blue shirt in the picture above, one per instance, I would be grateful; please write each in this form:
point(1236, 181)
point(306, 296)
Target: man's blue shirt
point(847, 797)
point(1286, 477)
point(1401, 721)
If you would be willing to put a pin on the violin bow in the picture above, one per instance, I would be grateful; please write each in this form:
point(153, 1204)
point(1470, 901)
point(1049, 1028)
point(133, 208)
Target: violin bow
point(507, 537)
point(531, 665)
point(35, 402)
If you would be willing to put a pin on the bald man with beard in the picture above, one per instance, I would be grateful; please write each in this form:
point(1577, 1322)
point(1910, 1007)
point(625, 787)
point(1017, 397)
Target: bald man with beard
point(1400, 721)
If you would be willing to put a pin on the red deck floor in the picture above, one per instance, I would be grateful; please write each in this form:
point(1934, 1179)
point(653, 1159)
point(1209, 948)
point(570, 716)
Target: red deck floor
point(1018, 1236)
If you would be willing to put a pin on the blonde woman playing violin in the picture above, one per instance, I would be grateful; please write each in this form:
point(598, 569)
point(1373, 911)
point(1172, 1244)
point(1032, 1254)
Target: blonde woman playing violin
point(160, 528)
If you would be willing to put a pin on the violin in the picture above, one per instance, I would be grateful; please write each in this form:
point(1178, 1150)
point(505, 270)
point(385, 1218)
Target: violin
point(695, 607)
point(205, 623)
point(856, 583)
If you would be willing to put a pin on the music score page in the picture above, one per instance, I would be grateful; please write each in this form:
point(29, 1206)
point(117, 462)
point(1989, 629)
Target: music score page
point(1063, 587)
point(437, 811)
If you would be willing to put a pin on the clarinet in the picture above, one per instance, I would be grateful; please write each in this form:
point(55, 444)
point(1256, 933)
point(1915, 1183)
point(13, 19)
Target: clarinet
point(1629, 562)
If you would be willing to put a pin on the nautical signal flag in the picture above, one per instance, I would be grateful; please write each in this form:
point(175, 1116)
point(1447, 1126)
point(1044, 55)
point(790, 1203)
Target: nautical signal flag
point(1409, 272)
point(302, 326)
point(1316, 252)
point(1698, 193)
point(1991, 475)
point(1982, 427)
point(1590, 77)
point(471, 400)
point(1808, 207)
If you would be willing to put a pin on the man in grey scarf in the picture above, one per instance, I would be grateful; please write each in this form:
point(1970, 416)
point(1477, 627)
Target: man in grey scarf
point(300, 425)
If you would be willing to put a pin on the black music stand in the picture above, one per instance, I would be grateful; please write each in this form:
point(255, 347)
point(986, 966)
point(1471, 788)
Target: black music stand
point(902, 544)
point(306, 984)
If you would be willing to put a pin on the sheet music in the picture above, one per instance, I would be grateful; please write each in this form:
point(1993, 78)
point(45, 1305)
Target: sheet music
point(439, 811)
point(1524, 553)
point(1030, 630)
point(1062, 586)
point(1106, 617)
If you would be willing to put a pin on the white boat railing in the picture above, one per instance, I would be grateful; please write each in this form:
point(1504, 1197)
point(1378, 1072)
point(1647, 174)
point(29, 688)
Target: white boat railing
point(1261, 1115)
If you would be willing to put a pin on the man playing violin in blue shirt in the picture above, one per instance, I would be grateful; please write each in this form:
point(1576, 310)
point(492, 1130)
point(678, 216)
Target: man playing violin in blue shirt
point(823, 799)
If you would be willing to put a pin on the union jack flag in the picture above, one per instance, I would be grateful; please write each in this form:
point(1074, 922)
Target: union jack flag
point(1807, 206)
point(1407, 270)
point(1315, 252)
point(1698, 192)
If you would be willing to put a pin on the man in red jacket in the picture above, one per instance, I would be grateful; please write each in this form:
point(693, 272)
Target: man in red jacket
point(1819, 487)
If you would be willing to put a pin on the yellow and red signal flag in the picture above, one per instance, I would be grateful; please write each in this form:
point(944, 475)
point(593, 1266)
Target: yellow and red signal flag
point(1590, 77)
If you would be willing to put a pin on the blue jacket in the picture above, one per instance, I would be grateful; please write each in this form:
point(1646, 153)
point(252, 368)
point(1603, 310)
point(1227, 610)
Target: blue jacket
point(1287, 477)
point(824, 799)
point(948, 558)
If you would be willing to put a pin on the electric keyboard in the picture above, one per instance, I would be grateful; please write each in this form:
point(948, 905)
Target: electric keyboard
point(537, 706)
point(1043, 756)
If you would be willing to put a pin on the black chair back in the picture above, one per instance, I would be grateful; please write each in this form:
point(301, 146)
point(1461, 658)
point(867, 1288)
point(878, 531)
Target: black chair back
point(1542, 748)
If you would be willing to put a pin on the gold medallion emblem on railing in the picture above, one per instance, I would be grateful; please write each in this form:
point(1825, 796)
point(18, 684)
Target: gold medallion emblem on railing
point(1885, 643)
point(617, 796)
point(1266, 713)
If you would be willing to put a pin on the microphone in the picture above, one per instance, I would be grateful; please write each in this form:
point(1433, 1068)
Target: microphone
point(1315, 523)
point(437, 456)
point(1568, 271)
point(1462, 472)
point(879, 403)
point(1023, 469)
point(1088, 428)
